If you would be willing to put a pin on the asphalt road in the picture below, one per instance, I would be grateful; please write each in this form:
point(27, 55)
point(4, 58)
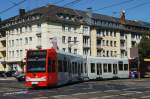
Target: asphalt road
point(110, 89)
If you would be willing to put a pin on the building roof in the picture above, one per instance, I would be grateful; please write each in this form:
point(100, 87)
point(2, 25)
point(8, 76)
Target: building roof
point(54, 13)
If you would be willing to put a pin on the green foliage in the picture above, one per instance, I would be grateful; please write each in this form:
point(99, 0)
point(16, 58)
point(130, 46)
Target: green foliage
point(144, 47)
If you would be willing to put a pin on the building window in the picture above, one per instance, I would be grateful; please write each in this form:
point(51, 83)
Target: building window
point(12, 42)
point(63, 39)
point(107, 43)
point(75, 40)
point(21, 53)
point(107, 53)
point(69, 50)
point(26, 40)
point(75, 51)
point(30, 40)
point(64, 49)
point(69, 39)
point(111, 43)
point(17, 42)
point(20, 41)
point(17, 53)
point(114, 43)
point(114, 34)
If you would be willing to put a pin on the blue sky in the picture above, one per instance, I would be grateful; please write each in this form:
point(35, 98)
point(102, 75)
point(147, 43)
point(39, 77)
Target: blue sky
point(135, 9)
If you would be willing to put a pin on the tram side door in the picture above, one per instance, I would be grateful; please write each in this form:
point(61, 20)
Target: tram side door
point(99, 69)
point(115, 72)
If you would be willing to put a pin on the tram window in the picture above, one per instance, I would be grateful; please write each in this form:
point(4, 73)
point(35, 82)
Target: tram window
point(105, 68)
point(53, 66)
point(109, 68)
point(69, 67)
point(75, 67)
point(65, 66)
point(81, 67)
point(92, 68)
point(120, 67)
point(85, 67)
point(125, 67)
point(59, 65)
point(49, 65)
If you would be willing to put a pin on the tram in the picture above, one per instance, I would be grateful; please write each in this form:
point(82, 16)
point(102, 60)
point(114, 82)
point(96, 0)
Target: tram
point(48, 67)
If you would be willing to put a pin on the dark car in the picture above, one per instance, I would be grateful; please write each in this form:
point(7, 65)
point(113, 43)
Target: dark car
point(19, 76)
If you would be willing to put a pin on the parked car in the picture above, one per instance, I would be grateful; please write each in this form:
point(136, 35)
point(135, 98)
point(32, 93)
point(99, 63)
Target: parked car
point(19, 76)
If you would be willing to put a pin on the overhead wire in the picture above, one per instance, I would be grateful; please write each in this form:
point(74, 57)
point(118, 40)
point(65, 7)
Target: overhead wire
point(16, 4)
point(115, 4)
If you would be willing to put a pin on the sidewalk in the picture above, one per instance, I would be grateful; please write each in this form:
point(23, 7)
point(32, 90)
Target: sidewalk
point(7, 78)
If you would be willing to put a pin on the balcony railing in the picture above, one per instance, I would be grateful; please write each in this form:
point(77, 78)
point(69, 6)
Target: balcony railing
point(86, 45)
point(122, 38)
point(2, 38)
point(99, 36)
point(123, 47)
point(99, 47)
point(2, 48)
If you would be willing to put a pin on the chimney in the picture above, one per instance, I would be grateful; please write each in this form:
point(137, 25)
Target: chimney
point(89, 12)
point(122, 17)
point(22, 12)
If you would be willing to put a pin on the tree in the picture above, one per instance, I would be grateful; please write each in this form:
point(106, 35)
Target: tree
point(144, 47)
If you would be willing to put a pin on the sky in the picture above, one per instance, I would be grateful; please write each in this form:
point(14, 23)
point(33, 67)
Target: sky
point(134, 9)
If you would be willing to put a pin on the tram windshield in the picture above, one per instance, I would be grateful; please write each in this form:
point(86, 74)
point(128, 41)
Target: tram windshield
point(36, 61)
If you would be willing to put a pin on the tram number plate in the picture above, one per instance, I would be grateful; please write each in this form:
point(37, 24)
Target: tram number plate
point(34, 82)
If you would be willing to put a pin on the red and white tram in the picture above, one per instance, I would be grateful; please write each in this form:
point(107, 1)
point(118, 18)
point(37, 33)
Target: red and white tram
point(50, 68)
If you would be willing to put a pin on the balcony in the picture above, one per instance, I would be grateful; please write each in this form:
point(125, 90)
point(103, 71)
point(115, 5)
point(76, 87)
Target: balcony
point(2, 38)
point(134, 39)
point(86, 45)
point(99, 36)
point(39, 46)
point(122, 38)
point(123, 47)
point(2, 48)
point(100, 47)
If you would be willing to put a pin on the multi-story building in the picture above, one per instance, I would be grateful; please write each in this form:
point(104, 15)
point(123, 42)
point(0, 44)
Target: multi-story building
point(69, 30)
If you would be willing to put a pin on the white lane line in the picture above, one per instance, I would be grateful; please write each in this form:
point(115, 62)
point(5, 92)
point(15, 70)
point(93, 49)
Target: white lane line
point(59, 96)
point(145, 97)
point(40, 98)
point(79, 94)
point(127, 94)
point(129, 88)
point(111, 90)
point(109, 96)
point(15, 93)
point(134, 91)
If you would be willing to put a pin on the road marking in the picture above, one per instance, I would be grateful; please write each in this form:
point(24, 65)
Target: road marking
point(145, 97)
point(40, 98)
point(109, 96)
point(134, 91)
point(111, 90)
point(15, 93)
point(129, 88)
point(79, 94)
point(127, 94)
